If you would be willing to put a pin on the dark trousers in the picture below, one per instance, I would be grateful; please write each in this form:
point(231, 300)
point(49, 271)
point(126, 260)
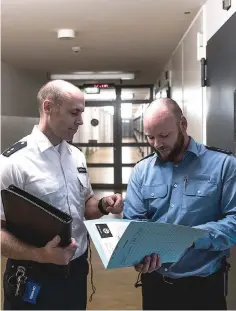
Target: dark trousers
point(191, 293)
point(57, 292)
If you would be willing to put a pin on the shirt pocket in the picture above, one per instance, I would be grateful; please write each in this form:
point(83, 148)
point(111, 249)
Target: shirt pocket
point(199, 196)
point(154, 197)
point(45, 189)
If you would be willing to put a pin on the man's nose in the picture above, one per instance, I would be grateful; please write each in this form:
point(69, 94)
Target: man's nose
point(79, 121)
point(157, 144)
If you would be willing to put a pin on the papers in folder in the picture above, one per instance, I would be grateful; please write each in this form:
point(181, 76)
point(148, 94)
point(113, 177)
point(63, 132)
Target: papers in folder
point(124, 243)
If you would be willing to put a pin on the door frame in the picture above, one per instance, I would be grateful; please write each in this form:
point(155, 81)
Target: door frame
point(117, 137)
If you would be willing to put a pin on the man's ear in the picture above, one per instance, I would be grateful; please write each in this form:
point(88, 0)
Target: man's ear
point(183, 124)
point(47, 106)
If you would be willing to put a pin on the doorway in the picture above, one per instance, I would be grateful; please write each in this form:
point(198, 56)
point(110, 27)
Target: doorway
point(112, 137)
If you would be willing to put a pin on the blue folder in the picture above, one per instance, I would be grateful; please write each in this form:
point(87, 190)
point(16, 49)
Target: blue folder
point(125, 243)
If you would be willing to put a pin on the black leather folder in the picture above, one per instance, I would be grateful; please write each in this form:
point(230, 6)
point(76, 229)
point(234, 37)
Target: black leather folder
point(33, 220)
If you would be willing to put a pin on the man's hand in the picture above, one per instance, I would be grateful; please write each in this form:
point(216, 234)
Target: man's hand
point(113, 203)
point(150, 264)
point(52, 253)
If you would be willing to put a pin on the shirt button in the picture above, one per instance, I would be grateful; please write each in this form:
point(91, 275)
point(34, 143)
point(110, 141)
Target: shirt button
point(172, 205)
point(166, 269)
point(175, 185)
point(152, 195)
point(199, 191)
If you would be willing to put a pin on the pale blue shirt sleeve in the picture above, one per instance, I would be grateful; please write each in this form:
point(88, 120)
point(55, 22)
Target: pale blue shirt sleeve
point(134, 207)
point(222, 234)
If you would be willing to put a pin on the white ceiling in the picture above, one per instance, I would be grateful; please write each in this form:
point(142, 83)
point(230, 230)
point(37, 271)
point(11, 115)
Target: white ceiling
point(127, 35)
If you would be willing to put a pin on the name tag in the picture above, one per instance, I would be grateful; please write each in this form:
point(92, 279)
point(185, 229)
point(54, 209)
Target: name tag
point(82, 170)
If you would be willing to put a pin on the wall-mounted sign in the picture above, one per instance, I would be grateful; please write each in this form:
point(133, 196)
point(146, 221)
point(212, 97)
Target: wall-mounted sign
point(94, 122)
point(98, 85)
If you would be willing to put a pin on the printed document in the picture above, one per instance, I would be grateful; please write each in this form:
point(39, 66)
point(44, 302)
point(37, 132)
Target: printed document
point(124, 243)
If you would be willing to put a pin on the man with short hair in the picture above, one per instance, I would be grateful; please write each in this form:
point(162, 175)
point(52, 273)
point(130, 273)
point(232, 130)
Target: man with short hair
point(45, 165)
point(186, 183)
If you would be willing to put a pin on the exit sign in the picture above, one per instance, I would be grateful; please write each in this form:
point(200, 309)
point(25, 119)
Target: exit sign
point(98, 85)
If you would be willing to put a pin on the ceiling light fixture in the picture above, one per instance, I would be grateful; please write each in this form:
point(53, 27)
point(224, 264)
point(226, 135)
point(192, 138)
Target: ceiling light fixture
point(65, 34)
point(99, 75)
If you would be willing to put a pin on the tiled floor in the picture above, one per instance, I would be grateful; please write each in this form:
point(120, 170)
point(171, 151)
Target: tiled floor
point(115, 288)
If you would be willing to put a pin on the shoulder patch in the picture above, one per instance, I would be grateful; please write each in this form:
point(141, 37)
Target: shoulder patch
point(17, 146)
point(148, 156)
point(219, 150)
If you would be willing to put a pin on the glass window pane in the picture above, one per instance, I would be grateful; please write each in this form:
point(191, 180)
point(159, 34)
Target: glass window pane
point(126, 171)
point(134, 154)
point(103, 132)
point(101, 175)
point(104, 95)
point(135, 94)
point(98, 154)
point(130, 155)
point(132, 122)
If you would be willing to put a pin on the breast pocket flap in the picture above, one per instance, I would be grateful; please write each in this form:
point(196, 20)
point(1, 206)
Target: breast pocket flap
point(200, 189)
point(42, 187)
point(154, 192)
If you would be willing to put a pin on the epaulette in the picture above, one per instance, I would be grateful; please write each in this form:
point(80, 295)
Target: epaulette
point(17, 146)
point(150, 155)
point(219, 150)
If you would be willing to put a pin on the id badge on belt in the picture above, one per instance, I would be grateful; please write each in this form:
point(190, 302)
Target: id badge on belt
point(23, 288)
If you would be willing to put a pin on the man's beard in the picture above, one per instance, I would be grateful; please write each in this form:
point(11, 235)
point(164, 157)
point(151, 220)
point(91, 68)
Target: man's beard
point(176, 150)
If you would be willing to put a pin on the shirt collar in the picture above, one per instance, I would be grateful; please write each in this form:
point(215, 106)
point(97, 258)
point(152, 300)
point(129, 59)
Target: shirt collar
point(192, 147)
point(43, 142)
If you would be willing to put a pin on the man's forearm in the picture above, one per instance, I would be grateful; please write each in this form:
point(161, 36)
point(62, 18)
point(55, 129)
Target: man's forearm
point(91, 209)
point(16, 249)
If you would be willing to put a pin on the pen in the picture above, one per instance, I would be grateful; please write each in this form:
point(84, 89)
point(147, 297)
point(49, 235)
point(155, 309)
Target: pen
point(185, 182)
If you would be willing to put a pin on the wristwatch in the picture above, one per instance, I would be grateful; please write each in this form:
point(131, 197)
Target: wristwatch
point(101, 208)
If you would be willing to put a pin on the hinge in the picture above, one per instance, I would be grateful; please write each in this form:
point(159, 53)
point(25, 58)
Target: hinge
point(203, 72)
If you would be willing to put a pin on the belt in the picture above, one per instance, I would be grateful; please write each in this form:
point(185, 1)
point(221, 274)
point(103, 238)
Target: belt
point(222, 272)
point(39, 269)
point(190, 279)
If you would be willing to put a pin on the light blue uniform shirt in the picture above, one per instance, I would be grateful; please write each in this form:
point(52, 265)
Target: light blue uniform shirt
point(200, 191)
